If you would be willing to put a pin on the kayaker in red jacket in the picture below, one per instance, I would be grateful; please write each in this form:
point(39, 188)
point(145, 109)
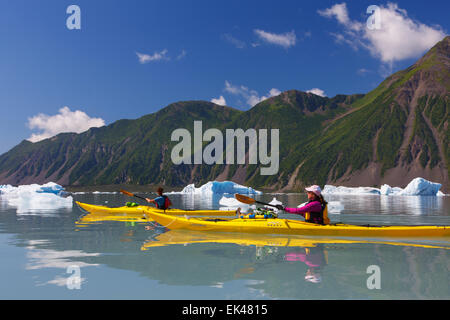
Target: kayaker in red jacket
point(313, 211)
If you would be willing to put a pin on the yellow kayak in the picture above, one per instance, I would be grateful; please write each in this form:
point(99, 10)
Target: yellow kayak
point(184, 237)
point(295, 227)
point(143, 209)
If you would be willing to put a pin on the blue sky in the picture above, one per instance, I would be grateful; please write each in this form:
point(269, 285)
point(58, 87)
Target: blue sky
point(192, 50)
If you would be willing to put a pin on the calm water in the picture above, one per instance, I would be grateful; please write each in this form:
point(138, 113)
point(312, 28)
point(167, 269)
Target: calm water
point(41, 252)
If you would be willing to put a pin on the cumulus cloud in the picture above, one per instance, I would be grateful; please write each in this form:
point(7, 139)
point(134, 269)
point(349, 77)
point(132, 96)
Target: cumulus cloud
point(220, 101)
point(284, 40)
point(157, 56)
point(65, 121)
point(317, 91)
point(398, 37)
point(250, 96)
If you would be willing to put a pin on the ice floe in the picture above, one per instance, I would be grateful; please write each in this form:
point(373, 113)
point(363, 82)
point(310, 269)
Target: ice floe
point(35, 198)
point(417, 187)
point(218, 187)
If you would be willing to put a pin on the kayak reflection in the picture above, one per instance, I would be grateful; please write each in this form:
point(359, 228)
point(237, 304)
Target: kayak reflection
point(186, 237)
point(96, 217)
point(312, 251)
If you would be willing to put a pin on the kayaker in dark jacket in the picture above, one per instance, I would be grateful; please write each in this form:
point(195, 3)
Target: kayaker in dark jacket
point(162, 201)
point(315, 209)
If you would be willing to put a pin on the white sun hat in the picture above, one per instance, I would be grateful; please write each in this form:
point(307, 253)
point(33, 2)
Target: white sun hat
point(314, 189)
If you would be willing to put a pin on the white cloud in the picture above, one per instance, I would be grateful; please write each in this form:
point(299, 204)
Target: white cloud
point(399, 37)
point(340, 12)
point(274, 92)
point(182, 54)
point(220, 101)
point(317, 91)
point(251, 97)
point(285, 40)
point(363, 71)
point(65, 121)
point(146, 58)
point(235, 42)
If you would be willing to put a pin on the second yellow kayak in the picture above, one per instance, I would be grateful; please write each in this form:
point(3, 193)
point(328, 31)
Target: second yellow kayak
point(143, 209)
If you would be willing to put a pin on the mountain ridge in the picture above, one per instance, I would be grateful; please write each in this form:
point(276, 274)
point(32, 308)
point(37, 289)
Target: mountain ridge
point(392, 134)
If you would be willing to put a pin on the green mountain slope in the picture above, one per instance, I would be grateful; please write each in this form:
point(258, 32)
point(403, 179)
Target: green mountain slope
point(391, 135)
point(398, 130)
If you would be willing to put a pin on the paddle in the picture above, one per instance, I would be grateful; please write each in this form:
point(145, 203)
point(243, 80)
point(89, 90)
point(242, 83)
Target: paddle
point(131, 194)
point(249, 200)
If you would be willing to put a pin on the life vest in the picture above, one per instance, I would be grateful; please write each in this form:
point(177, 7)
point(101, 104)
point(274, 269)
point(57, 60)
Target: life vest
point(167, 203)
point(313, 217)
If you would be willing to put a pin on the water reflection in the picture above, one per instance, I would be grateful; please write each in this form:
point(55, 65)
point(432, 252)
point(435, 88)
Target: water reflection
point(316, 258)
point(279, 262)
point(41, 258)
point(391, 205)
point(220, 265)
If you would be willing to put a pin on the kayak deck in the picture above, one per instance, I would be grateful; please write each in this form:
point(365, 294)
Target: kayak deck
point(288, 226)
point(143, 209)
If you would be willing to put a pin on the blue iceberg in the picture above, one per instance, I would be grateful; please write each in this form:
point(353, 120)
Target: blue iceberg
point(219, 187)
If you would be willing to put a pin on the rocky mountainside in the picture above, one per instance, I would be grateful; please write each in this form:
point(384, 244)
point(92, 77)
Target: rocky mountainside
point(395, 133)
point(391, 135)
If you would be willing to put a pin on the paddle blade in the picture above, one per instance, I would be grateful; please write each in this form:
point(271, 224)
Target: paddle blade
point(127, 193)
point(244, 199)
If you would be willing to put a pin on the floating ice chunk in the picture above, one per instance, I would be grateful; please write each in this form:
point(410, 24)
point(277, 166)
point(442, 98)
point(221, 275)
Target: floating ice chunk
point(274, 202)
point(421, 187)
point(36, 198)
point(417, 187)
point(329, 189)
point(388, 190)
point(219, 187)
point(335, 207)
point(230, 202)
point(50, 187)
point(104, 192)
point(233, 204)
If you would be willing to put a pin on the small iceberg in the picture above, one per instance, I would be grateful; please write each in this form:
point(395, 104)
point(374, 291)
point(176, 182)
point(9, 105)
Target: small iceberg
point(417, 187)
point(328, 189)
point(421, 187)
point(36, 198)
point(274, 202)
point(218, 187)
point(334, 207)
point(233, 204)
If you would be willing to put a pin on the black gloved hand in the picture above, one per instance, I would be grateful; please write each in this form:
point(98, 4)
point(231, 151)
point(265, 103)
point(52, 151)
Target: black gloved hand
point(279, 207)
